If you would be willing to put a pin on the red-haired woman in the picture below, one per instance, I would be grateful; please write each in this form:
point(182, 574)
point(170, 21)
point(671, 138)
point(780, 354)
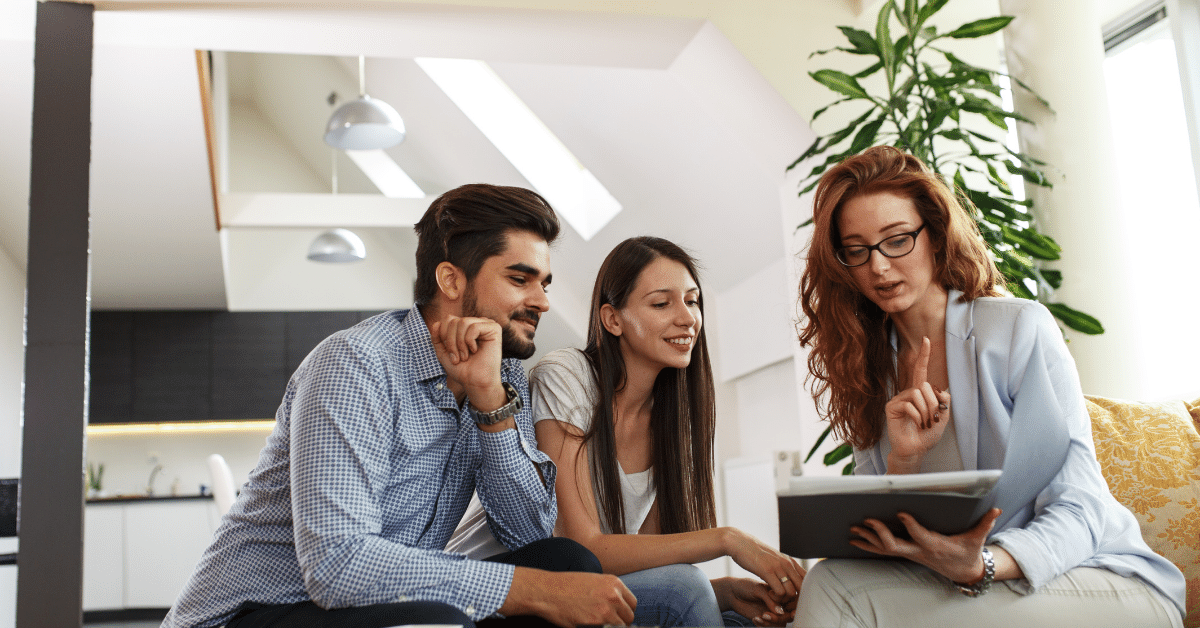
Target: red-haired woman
point(923, 366)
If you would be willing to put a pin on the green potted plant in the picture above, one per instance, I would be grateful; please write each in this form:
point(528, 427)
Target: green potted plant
point(95, 480)
point(950, 114)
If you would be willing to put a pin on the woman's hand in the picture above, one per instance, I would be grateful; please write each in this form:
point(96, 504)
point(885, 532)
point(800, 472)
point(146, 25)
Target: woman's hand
point(781, 573)
point(917, 417)
point(956, 557)
point(754, 600)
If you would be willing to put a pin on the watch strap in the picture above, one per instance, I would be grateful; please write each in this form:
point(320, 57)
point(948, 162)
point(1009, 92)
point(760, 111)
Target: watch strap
point(989, 574)
point(504, 412)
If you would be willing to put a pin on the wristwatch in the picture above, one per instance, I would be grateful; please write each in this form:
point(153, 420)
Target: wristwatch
point(989, 573)
point(506, 411)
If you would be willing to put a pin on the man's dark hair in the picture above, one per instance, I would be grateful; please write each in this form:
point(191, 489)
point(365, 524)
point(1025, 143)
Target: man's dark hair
point(469, 224)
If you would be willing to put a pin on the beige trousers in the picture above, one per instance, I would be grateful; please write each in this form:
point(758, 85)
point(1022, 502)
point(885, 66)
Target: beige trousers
point(901, 594)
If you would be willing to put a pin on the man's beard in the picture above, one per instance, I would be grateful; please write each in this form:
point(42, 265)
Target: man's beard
point(511, 345)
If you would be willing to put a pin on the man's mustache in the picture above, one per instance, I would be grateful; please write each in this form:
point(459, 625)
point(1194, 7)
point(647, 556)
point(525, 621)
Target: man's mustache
point(531, 316)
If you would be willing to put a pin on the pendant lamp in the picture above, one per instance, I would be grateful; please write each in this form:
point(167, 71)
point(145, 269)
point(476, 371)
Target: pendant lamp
point(364, 123)
point(337, 246)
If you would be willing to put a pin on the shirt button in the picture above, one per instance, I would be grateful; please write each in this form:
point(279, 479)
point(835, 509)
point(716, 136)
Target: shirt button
point(441, 386)
point(470, 610)
point(402, 598)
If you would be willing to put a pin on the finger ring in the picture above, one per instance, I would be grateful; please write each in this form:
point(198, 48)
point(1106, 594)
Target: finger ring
point(783, 579)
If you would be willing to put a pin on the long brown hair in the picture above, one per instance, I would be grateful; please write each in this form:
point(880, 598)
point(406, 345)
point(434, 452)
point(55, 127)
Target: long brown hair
point(683, 414)
point(850, 357)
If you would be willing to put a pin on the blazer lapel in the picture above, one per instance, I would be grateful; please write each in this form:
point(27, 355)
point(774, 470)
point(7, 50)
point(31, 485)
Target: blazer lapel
point(964, 384)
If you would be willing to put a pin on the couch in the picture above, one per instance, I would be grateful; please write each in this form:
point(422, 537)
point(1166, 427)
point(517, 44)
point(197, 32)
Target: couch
point(1150, 455)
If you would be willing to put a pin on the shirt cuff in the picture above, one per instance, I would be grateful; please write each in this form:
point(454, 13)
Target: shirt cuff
point(483, 587)
point(1030, 556)
point(507, 451)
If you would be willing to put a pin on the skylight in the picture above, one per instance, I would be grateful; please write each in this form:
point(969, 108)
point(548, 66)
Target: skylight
point(385, 173)
point(526, 142)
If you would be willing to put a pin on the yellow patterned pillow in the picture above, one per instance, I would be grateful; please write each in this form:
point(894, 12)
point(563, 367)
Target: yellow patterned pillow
point(1150, 455)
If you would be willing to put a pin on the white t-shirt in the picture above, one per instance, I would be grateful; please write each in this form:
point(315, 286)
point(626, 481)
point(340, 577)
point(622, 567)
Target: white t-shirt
point(563, 388)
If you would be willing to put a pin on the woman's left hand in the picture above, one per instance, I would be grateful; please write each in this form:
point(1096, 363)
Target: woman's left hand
point(755, 601)
point(957, 557)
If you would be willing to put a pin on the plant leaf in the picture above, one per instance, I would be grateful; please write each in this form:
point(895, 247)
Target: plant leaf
point(979, 28)
point(870, 70)
point(1036, 244)
point(840, 82)
point(820, 439)
point(1053, 278)
point(929, 9)
point(883, 39)
point(862, 41)
point(1035, 177)
point(1075, 319)
point(813, 149)
point(866, 135)
point(838, 453)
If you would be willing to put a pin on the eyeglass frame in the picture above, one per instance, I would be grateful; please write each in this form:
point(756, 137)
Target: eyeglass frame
point(837, 253)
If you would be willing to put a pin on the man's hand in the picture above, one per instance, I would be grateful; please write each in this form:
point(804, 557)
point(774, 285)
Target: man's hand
point(569, 598)
point(469, 350)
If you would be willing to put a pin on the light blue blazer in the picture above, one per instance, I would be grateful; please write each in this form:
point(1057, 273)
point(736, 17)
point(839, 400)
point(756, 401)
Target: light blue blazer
point(1011, 378)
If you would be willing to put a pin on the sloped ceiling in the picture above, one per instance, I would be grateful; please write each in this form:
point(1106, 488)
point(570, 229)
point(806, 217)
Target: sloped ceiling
point(664, 111)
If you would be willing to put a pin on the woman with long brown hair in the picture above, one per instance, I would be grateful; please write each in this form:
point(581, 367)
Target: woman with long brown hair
point(923, 366)
point(629, 422)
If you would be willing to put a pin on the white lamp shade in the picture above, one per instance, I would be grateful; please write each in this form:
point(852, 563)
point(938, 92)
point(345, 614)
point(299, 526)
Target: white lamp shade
point(337, 246)
point(363, 124)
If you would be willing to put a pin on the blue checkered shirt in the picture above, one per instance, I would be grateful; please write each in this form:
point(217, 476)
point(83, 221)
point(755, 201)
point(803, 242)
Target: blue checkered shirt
point(366, 475)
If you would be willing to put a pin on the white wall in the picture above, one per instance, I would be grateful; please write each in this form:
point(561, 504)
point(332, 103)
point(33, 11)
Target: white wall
point(12, 369)
point(184, 456)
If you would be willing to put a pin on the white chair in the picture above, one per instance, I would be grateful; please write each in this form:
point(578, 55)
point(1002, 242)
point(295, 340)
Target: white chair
point(224, 492)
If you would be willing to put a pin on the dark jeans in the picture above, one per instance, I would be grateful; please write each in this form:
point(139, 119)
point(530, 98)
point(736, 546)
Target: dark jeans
point(555, 554)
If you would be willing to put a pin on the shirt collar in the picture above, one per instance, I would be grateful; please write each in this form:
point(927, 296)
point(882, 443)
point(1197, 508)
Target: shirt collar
point(424, 359)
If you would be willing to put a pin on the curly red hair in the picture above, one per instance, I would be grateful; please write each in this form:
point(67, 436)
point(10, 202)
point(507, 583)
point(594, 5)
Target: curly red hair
point(850, 363)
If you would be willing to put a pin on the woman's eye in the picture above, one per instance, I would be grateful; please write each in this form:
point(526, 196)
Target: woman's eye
point(898, 242)
point(659, 305)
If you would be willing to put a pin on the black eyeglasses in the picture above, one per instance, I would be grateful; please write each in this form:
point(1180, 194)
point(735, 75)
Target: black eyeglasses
point(898, 245)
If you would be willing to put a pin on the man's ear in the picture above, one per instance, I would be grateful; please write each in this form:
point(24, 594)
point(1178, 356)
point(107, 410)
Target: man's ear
point(610, 320)
point(451, 280)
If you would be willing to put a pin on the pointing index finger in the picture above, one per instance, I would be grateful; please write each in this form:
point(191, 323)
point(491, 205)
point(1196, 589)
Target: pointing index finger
point(920, 373)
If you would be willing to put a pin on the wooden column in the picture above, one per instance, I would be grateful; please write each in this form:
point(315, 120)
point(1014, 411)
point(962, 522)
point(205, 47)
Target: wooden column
point(50, 558)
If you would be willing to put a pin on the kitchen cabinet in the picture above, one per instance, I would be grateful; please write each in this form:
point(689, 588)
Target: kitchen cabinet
point(249, 363)
point(172, 366)
point(111, 367)
point(103, 557)
point(139, 553)
point(166, 366)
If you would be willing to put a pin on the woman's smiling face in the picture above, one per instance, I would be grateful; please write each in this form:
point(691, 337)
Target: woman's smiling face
point(892, 283)
point(661, 319)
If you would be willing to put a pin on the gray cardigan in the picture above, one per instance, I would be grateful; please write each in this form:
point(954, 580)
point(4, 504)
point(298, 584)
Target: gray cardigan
point(1009, 368)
